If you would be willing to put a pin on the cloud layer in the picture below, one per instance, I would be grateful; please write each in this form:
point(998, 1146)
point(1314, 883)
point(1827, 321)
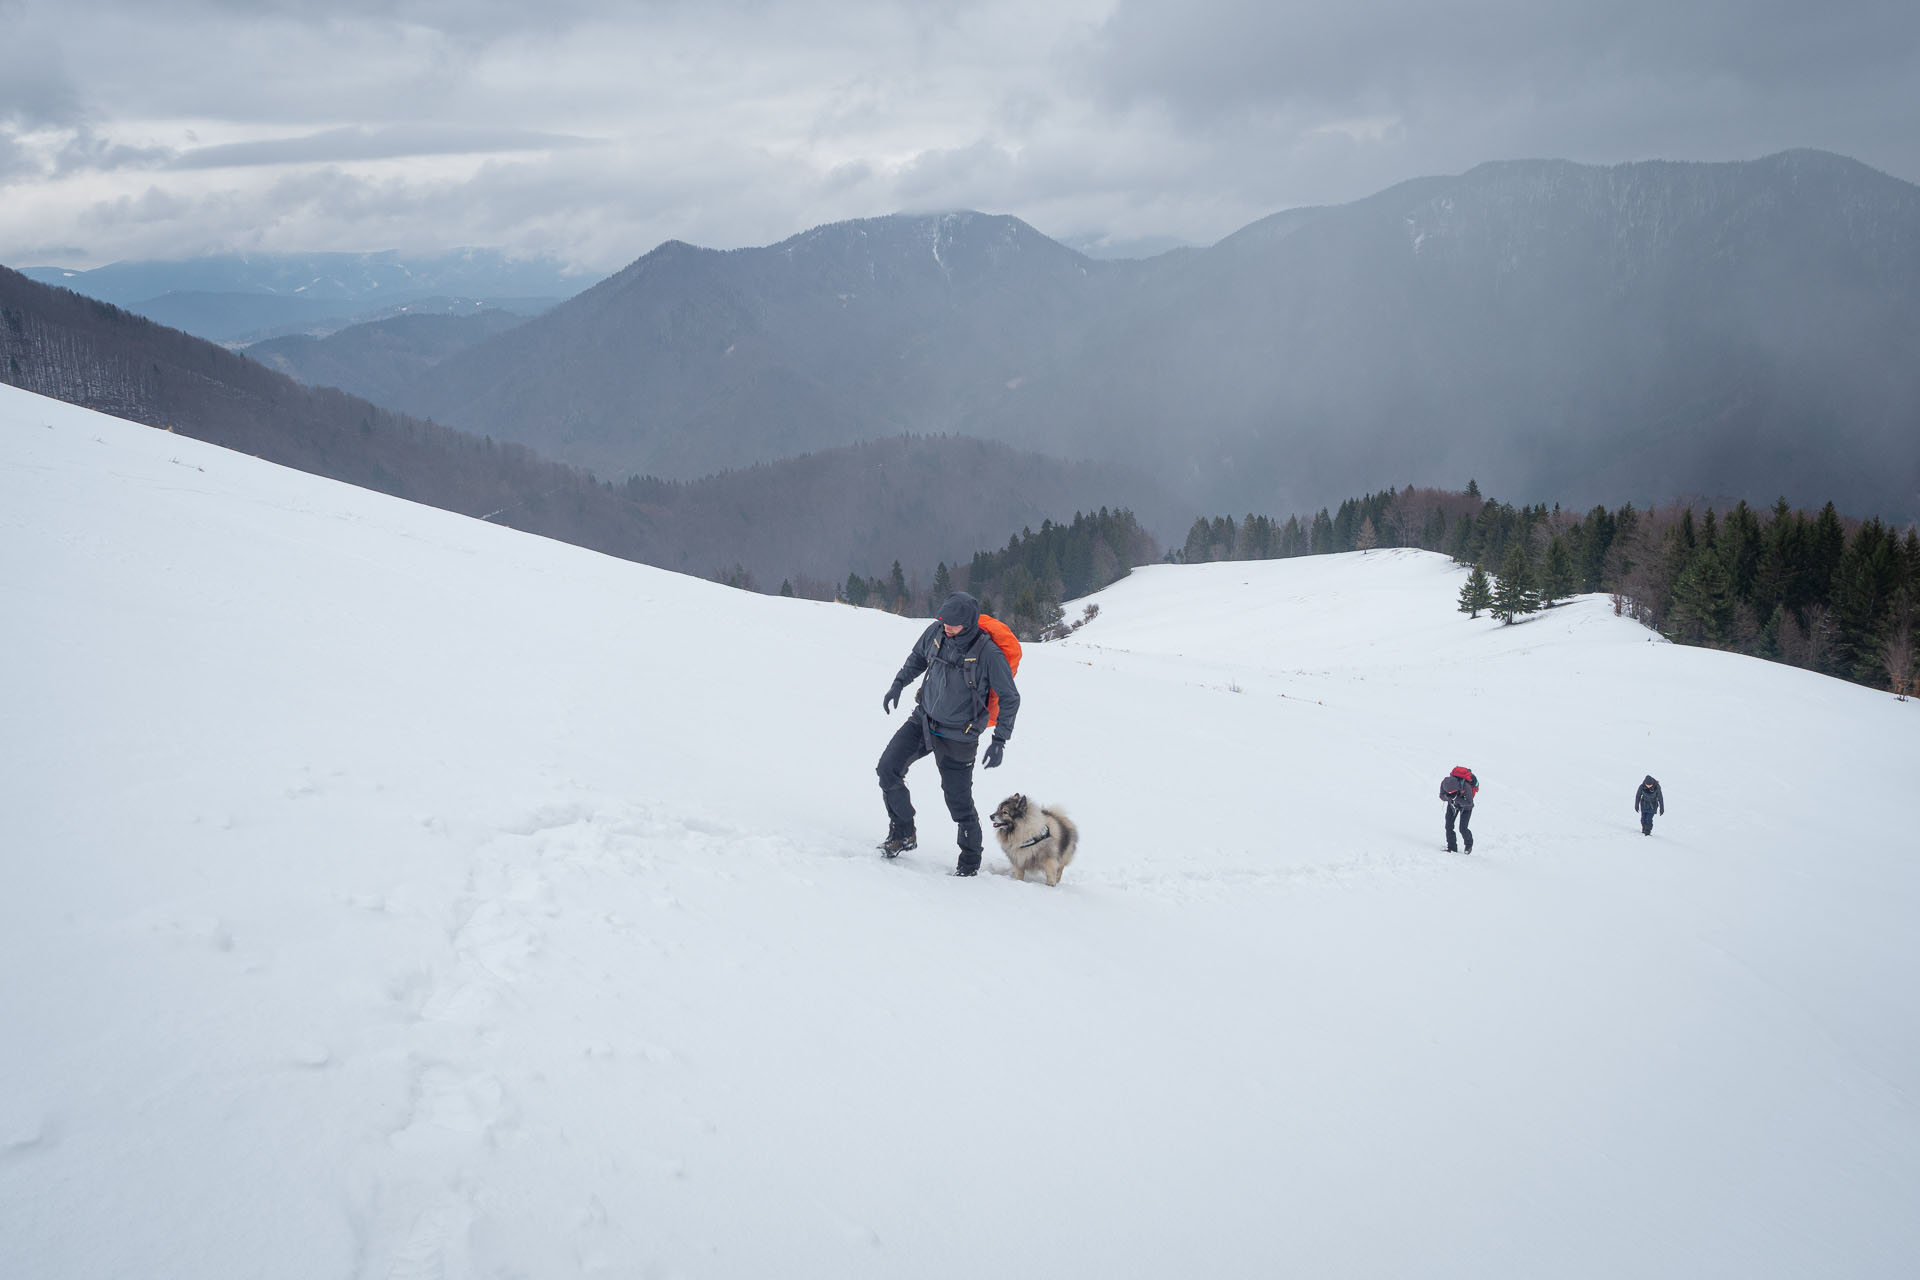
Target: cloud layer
point(593, 129)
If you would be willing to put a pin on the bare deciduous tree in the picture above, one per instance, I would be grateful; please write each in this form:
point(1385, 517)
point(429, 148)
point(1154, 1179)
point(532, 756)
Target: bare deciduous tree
point(1897, 654)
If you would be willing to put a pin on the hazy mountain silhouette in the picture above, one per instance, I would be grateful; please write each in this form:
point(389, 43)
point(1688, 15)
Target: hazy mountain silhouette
point(232, 297)
point(859, 509)
point(1568, 332)
point(378, 360)
point(691, 360)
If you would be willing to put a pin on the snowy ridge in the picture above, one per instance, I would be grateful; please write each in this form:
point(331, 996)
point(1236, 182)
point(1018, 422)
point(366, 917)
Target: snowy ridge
point(394, 895)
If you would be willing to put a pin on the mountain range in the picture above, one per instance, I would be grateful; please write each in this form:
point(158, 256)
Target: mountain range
point(819, 515)
point(1570, 333)
point(240, 297)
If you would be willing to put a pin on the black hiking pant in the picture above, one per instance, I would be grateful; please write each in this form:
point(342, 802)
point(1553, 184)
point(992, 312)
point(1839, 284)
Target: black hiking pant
point(1466, 815)
point(955, 758)
point(1646, 821)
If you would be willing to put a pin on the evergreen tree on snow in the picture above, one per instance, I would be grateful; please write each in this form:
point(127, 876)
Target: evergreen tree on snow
point(1703, 598)
point(1557, 580)
point(1199, 542)
point(1515, 593)
point(1476, 595)
point(1321, 538)
point(942, 586)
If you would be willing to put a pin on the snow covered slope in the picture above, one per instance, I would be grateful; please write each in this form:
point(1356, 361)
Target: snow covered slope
point(392, 895)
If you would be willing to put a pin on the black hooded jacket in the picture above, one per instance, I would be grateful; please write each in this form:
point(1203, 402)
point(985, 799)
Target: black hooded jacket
point(1649, 797)
point(961, 670)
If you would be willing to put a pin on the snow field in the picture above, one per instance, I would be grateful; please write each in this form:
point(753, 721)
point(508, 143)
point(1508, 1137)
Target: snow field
point(396, 895)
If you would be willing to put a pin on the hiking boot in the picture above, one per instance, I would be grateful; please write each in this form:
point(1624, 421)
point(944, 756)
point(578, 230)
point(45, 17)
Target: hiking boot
point(894, 846)
point(964, 870)
point(969, 864)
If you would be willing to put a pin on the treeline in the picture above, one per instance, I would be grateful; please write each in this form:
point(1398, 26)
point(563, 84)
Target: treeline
point(1026, 584)
point(1821, 591)
point(1406, 518)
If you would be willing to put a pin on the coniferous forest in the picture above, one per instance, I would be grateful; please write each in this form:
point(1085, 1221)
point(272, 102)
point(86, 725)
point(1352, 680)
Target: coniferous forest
point(1025, 584)
point(1820, 591)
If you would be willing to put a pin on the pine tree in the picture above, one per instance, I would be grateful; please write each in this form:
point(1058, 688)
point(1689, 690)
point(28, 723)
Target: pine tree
point(1741, 536)
point(942, 586)
point(1863, 584)
point(1321, 538)
point(896, 587)
point(1460, 544)
point(1473, 488)
point(1344, 526)
point(1779, 575)
point(1475, 594)
point(856, 590)
point(1199, 543)
point(1596, 542)
point(1367, 539)
point(1703, 599)
point(1556, 583)
point(786, 586)
point(1514, 594)
point(1827, 542)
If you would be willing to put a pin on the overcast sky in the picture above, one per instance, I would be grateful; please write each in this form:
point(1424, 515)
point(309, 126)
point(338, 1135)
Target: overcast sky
point(591, 130)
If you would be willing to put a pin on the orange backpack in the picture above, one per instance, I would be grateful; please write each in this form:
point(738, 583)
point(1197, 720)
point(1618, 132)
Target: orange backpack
point(1009, 644)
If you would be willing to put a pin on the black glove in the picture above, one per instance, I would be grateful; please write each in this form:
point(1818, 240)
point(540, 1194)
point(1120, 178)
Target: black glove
point(892, 699)
point(995, 750)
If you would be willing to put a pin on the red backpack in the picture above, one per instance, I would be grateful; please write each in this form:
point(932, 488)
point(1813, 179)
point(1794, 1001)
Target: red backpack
point(1009, 643)
point(1460, 785)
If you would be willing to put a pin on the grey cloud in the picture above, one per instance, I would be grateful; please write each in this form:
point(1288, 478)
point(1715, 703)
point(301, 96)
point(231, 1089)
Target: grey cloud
point(846, 177)
point(14, 159)
point(1223, 55)
point(935, 179)
point(35, 88)
point(742, 121)
point(574, 206)
point(86, 150)
point(335, 146)
point(1431, 89)
point(465, 23)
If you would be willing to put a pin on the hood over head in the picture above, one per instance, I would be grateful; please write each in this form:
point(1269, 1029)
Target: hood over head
point(960, 610)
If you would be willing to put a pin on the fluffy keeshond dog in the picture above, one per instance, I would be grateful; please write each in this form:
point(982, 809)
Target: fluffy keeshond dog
point(1034, 838)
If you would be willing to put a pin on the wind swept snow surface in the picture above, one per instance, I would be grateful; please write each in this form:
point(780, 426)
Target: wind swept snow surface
point(388, 894)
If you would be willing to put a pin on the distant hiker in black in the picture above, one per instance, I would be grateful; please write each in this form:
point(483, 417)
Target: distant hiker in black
point(1646, 802)
point(1458, 789)
point(963, 665)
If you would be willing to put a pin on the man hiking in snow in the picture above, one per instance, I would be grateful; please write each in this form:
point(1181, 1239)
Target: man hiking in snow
point(1646, 801)
point(963, 666)
point(1458, 789)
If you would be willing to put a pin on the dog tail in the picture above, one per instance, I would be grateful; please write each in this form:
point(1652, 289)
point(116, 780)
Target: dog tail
point(1069, 834)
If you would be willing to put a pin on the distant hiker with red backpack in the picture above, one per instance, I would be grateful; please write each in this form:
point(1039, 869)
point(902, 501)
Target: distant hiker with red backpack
point(1458, 789)
point(1645, 801)
point(969, 660)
